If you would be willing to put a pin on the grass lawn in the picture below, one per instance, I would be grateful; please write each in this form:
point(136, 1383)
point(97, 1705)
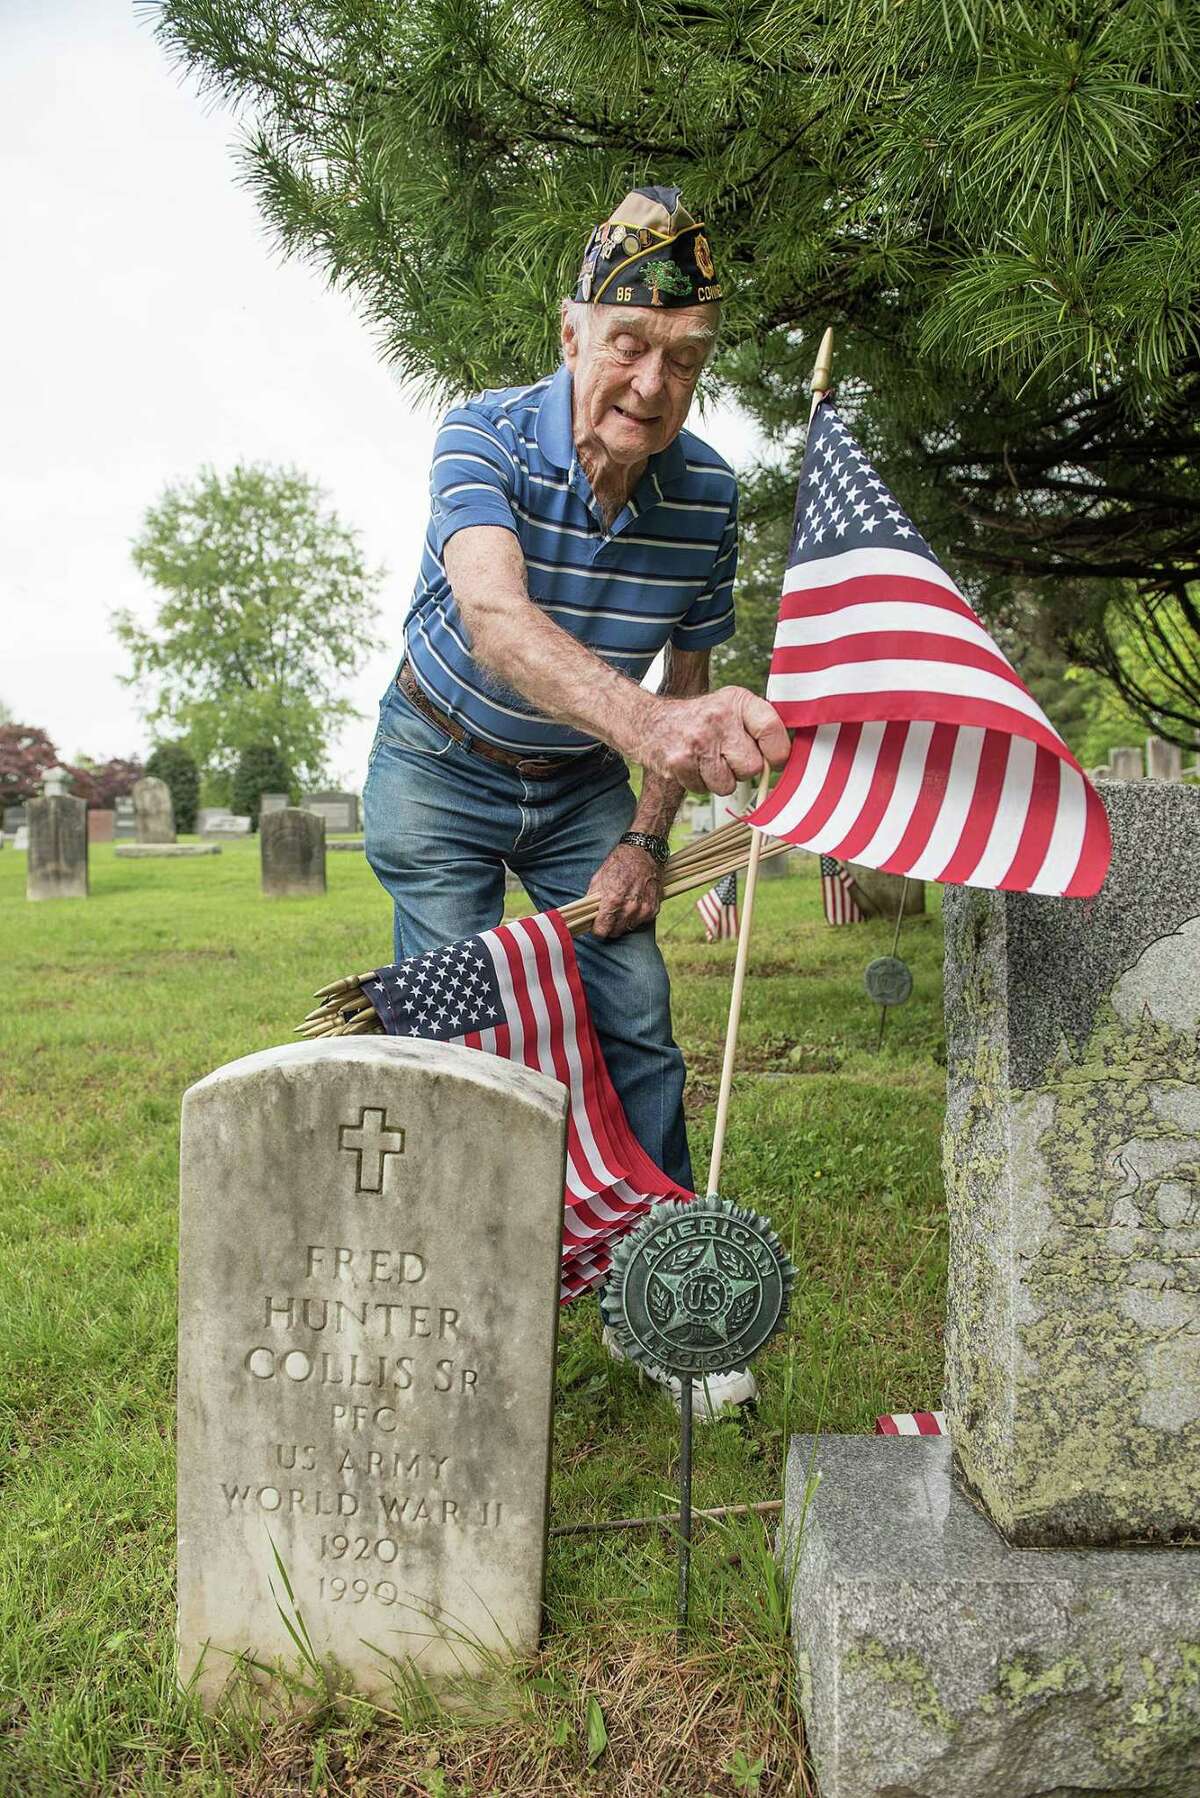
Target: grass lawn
point(112, 1008)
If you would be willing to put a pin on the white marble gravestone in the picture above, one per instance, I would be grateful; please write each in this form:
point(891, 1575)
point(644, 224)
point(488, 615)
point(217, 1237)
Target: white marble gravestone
point(369, 1267)
point(153, 812)
point(1164, 761)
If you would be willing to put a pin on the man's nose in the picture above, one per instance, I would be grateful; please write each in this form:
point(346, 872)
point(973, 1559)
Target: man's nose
point(649, 375)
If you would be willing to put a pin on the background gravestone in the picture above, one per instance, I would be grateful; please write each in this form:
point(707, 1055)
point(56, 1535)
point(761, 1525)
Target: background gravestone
point(882, 892)
point(15, 818)
point(58, 849)
point(339, 810)
point(292, 847)
point(369, 1252)
point(154, 815)
point(1164, 761)
point(124, 823)
point(1125, 764)
point(100, 825)
point(271, 802)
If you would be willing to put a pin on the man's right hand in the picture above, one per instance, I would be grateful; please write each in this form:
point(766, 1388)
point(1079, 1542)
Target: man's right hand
point(709, 743)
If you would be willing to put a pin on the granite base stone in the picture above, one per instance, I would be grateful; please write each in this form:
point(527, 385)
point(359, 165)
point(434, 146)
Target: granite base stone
point(935, 1661)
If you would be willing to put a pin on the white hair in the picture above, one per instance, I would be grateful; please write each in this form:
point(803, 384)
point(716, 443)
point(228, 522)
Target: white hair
point(582, 319)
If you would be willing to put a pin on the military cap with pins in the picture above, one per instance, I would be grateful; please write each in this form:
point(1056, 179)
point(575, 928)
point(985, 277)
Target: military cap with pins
point(649, 252)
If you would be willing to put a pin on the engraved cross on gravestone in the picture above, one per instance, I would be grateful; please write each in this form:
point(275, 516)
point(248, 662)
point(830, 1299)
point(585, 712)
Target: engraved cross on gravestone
point(372, 1139)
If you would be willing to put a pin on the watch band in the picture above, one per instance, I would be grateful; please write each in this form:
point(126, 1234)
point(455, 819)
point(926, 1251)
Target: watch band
point(658, 847)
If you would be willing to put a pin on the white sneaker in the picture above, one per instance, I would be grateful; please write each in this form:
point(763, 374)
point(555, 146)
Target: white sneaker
point(711, 1396)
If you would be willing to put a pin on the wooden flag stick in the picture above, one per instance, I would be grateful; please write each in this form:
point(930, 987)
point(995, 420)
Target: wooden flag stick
point(821, 380)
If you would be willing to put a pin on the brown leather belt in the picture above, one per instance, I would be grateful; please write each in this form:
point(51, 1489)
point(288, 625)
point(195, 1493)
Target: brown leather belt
point(536, 768)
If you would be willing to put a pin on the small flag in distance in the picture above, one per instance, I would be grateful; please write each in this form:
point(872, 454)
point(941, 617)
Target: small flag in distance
point(918, 750)
point(838, 893)
point(718, 908)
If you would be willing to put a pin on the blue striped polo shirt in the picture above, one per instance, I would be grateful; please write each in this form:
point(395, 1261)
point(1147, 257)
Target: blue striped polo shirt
point(663, 572)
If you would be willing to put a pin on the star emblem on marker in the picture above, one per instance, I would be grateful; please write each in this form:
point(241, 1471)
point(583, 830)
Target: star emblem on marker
point(707, 1264)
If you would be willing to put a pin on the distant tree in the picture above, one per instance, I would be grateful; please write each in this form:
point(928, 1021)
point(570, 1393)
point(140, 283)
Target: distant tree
point(177, 766)
point(260, 769)
point(265, 609)
point(996, 205)
point(102, 783)
point(26, 755)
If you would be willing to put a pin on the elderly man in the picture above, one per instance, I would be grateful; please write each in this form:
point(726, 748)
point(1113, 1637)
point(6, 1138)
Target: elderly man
point(576, 531)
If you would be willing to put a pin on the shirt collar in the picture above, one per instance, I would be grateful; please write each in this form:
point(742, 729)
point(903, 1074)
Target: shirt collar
point(556, 440)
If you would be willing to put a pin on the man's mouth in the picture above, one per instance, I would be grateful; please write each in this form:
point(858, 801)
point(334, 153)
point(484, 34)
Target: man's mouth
point(633, 417)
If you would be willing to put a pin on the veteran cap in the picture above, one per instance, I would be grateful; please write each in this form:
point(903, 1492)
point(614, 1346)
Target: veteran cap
point(649, 252)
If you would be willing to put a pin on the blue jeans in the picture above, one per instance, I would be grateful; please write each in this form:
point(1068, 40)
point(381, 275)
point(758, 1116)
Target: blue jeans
point(441, 826)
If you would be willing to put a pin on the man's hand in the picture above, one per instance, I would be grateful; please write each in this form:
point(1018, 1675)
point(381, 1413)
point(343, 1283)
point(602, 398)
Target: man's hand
point(628, 884)
point(709, 743)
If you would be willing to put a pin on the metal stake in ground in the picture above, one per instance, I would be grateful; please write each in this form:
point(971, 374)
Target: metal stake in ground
point(696, 1290)
point(888, 979)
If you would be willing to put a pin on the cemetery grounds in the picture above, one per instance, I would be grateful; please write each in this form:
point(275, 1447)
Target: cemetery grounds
point(112, 1008)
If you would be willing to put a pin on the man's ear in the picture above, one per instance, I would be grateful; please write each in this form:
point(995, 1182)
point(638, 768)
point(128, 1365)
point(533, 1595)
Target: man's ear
point(570, 341)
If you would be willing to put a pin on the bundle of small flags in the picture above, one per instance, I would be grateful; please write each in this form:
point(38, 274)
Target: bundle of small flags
point(718, 908)
point(839, 895)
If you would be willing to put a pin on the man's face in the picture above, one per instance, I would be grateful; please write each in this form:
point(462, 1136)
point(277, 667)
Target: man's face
point(634, 376)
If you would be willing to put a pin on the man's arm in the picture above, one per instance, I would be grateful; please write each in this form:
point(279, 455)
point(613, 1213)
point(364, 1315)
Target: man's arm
point(699, 741)
point(629, 882)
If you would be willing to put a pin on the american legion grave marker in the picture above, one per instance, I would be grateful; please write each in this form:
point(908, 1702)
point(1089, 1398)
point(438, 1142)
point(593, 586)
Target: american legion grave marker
point(370, 1235)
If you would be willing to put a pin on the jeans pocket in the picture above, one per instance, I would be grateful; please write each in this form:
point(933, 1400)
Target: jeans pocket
point(402, 727)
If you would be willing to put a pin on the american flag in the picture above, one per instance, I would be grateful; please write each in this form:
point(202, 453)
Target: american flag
point(918, 749)
point(718, 908)
point(911, 1423)
point(516, 991)
point(838, 893)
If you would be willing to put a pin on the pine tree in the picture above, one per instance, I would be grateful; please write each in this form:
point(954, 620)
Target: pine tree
point(995, 205)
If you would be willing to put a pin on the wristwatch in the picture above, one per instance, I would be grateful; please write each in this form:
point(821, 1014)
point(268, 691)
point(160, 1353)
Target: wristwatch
point(658, 847)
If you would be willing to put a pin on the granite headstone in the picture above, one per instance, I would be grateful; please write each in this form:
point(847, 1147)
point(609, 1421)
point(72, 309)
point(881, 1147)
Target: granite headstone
point(339, 810)
point(1019, 1620)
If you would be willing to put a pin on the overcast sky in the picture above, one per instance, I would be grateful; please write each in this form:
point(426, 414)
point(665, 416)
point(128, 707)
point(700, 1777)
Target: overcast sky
point(148, 328)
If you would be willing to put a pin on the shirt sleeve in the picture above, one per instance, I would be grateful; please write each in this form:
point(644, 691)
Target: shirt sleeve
point(709, 619)
point(473, 476)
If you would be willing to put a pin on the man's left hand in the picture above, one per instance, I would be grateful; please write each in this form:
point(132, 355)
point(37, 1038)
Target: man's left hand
point(628, 884)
